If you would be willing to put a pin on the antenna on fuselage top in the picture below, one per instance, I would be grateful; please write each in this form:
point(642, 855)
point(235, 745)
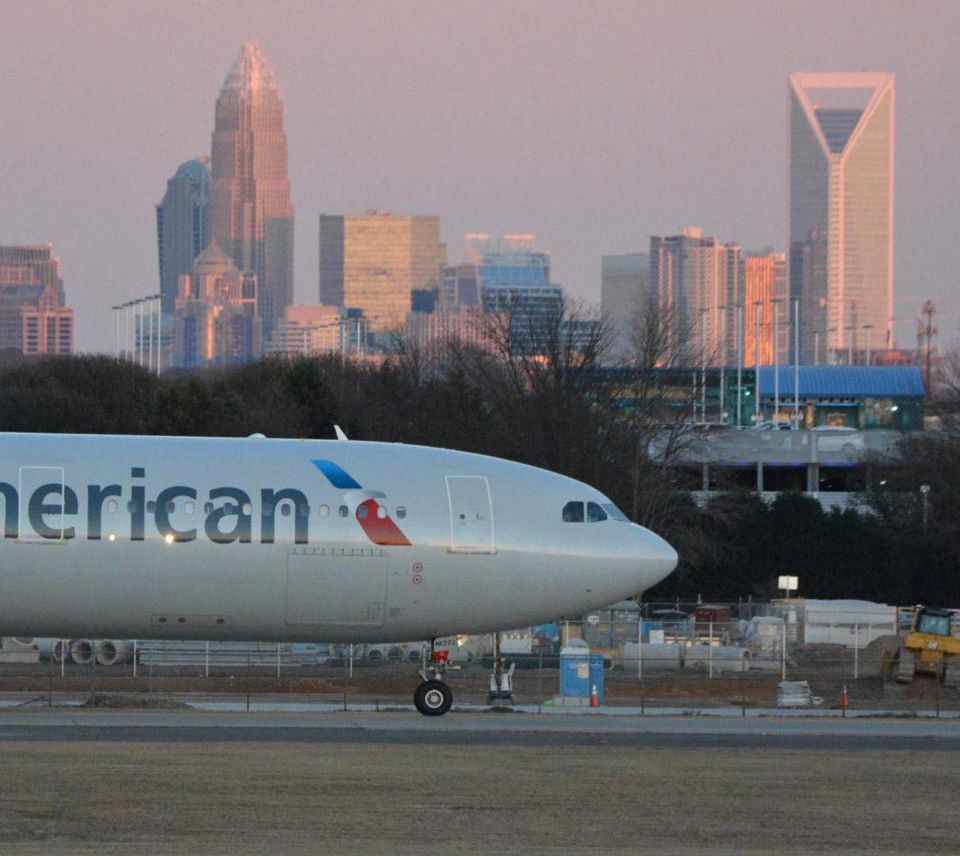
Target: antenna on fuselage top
point(339, 432)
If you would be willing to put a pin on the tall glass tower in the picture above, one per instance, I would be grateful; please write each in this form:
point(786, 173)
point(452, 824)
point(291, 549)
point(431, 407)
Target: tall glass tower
point(250, 215)
point(182, 225)
point(841, 212)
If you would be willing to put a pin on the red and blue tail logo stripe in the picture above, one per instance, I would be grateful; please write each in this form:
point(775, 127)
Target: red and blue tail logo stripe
point(373, 517)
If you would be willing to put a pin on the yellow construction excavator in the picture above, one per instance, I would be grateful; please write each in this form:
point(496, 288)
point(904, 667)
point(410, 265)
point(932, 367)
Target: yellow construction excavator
point(931, 647)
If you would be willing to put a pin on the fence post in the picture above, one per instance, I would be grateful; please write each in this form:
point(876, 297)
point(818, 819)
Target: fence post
point(783, 650)
point(278, 661)
point(856, 652)
point(134, 657)
point(206, 660)
point(710, 651)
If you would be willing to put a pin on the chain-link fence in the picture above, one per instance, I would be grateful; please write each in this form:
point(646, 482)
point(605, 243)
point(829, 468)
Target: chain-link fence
point(722, 658)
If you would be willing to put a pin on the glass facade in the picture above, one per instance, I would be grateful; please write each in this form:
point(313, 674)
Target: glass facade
point(841, 211)
point(250, 215)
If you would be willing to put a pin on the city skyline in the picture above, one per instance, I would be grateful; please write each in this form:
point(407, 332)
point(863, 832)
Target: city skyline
point(492, 134)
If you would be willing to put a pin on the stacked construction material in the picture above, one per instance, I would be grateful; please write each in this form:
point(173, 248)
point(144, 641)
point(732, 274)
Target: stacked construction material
point(794, 694)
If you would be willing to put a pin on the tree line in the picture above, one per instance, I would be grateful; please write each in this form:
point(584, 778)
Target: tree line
point(554, 411)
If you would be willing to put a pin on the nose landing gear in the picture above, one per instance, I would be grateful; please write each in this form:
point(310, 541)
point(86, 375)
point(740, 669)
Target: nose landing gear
point(433, 697)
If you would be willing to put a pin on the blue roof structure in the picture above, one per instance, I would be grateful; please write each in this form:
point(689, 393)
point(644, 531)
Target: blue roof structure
point(845, 382)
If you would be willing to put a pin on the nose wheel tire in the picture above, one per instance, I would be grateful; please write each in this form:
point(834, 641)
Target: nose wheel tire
point(433, 698)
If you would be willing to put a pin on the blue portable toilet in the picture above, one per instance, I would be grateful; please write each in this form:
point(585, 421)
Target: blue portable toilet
point(575, 669)
point(596, 675)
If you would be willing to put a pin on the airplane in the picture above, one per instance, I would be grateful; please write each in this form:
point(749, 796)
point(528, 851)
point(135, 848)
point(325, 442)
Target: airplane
point(244, 539)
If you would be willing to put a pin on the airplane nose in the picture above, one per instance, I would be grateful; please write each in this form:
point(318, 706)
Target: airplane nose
point(657, 558)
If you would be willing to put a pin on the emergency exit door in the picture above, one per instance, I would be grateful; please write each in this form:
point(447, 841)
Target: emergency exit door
point(471, 514)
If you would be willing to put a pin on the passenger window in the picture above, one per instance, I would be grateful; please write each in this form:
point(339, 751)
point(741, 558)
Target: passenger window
point(304, 510)
point(111, 505)
point(381, 511)
point(573, 512)
point(285, 509)
point(362, 512)
point(324, 510)
point(401, 512)
point(344, 511)
point(595, 513)
point(188, 507)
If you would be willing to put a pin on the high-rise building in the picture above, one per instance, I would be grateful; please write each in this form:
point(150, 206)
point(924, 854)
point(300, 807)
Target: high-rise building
point(215, 320)
point(33, 316)
point(624, 281)
point(250, 215)
point(311, 330)
point(182, 225)
point(697, 281)
point(375, 262)
point(765, 281)
point(841, 209)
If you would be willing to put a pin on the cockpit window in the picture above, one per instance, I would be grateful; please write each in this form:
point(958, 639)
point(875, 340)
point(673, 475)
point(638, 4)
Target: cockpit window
point(573, 512)
point(595, 513)
point(615, 513)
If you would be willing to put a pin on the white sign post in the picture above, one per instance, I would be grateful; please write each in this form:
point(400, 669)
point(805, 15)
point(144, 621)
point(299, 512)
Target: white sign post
point(788, 584)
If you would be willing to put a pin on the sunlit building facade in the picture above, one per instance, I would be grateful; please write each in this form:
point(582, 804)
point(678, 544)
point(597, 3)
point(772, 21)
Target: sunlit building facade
point(375, 262)
point(33, 316)
point(697, 282)
point(765, 281)
point(250, 215)
point(215, 316)
point(841, 210)
point(182, 225)
point(313, 330)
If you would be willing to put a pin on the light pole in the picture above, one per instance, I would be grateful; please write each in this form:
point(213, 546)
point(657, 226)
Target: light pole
point(740, 365)
point(827, 348)
point(869, 329)
point(849, 331)
point(796, 363)
point(925, 493)
point(776, 301)
point(756, 363)
point(703, 363)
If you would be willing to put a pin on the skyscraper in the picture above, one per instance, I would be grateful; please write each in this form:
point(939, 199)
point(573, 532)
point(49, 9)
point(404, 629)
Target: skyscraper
point(375, 262)
point(250, 215)
point(182, 225)
point(698, 282)
point(33, 317)
point(765, 281)
point(841, 208)
point(624, 280)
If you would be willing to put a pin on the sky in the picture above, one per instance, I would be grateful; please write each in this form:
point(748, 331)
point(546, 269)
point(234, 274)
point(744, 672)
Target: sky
point(590, 124)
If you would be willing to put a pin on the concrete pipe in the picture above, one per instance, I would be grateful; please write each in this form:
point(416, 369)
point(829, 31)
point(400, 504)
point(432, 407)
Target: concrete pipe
point(82, 651)
point(112, 652)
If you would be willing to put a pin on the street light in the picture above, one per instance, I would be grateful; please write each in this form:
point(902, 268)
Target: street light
point(869, 329)
point(850, 330)
point(776, 301)
point(925, 493)
point(756, 363)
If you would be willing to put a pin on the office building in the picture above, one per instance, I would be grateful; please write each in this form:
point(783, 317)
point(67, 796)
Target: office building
point(182, 225)
point(841, 210)
point(624, 283)
point(697, 282)
point(250, 215)
point(375, 262)
point(215, 319)
point(764, 282)
point(33, 316)
point(308, 331)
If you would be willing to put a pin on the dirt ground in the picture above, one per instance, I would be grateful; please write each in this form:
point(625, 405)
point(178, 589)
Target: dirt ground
point(283, 798)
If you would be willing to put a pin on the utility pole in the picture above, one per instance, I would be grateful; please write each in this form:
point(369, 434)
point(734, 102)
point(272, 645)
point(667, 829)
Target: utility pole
point(926, 333)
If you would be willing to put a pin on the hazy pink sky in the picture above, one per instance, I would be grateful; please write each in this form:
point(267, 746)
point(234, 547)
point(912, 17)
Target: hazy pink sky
point(593, 125)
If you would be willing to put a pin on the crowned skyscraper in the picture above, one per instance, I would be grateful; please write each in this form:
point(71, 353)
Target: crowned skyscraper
point(841, 210)
point(250, 215)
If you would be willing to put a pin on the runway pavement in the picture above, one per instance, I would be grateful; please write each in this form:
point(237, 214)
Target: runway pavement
point(477, 729)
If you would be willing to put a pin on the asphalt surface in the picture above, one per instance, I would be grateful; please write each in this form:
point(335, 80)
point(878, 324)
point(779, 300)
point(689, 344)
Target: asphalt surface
point(477, 729)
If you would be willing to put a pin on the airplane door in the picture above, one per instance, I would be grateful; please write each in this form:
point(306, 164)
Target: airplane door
point(471, 514)
point(52, 512)
point(348, 589)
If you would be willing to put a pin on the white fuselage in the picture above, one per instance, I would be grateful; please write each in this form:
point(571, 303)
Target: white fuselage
point(300, 540)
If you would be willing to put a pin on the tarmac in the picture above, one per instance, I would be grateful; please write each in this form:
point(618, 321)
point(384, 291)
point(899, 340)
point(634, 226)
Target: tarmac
point(489, 727)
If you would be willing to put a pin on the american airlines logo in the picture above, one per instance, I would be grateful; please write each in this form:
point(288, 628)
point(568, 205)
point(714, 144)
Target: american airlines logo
point(50, 511)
